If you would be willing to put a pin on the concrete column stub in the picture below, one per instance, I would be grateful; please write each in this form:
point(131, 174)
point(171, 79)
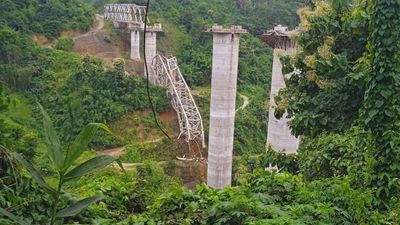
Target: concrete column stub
point(223, 100)
point(151, 49)
point(116, 24)
point(135, 44)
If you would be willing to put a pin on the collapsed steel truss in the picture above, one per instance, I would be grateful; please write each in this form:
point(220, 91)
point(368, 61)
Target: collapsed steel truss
point(170, 77)
point(127, 13)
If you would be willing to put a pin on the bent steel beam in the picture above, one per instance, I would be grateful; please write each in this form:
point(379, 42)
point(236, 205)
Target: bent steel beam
point(169, 76)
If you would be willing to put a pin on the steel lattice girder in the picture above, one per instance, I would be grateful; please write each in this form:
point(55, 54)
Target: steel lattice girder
point(170, 77)
point(128, 13)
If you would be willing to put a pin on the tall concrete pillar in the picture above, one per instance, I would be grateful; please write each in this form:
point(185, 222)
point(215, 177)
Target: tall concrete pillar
point(135, 44)
point(222, 109)
point(151, 49)
point(279, 134)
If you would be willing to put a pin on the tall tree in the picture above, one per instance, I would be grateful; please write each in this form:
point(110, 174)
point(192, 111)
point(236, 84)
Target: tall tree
point(381, 110)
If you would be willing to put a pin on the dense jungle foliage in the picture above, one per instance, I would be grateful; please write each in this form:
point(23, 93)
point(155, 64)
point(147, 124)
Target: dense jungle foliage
point(343, 97)
point(48, 18)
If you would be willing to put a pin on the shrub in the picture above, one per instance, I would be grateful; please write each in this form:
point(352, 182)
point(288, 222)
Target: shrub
point(265, 198)
point(64, 44)
point(332, 155)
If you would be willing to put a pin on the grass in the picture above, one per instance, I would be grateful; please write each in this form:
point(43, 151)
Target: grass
point(163, 150)
point(139, 126)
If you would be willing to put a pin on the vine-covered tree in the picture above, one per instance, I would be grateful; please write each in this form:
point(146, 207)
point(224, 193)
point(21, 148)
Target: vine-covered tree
point(327, 90)
point(381, 106)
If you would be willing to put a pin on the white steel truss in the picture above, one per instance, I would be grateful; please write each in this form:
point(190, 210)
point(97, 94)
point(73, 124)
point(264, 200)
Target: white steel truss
point(169, 76)
point(127, 13)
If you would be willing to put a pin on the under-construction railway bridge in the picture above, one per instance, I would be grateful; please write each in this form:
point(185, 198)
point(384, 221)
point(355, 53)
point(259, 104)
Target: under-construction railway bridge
point(163, 71)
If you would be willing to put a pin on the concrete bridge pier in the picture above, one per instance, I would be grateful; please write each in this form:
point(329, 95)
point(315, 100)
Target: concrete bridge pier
point(223, 100)
point(151, 49)
point(279, 137)
point(279, 133)
point(135, 44)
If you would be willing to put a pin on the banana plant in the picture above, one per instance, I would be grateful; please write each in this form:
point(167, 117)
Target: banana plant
point(63, 164)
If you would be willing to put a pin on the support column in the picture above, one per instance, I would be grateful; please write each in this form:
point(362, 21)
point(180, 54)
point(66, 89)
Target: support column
point(135, 44)
point(116, 24)
point(279, 134)
point(151, 49)
point(223, 100)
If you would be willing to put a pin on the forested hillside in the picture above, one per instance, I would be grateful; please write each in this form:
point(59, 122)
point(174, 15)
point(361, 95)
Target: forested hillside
point(342, 94)
point(45, 17)
point(60, 80)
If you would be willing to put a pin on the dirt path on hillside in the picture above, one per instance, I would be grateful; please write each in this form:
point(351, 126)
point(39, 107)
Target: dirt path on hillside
point(246, 102)
point(121, 150)
point(99, 27)
point(94, 43)
point(97, 42)
point(113, 152)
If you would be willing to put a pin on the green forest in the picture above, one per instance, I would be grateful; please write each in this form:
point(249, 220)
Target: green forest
point(62, 110)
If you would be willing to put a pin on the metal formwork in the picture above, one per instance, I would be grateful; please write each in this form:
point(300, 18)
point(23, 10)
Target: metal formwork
point(128, 13)
point(169, 76)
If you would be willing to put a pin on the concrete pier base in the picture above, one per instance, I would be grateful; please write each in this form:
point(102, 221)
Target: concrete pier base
point(279, 135)
point(151, 49)
point(151, 52)
point(135, 44)
point(116, 24)
point(222, 109)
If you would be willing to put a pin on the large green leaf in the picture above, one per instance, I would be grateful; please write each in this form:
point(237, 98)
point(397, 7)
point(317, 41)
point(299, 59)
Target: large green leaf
point(12, 217)
point(53, 143)
point(35, 174)
point(81, 142)
point(90, 166)
point(119, 162)
point(76, 208)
